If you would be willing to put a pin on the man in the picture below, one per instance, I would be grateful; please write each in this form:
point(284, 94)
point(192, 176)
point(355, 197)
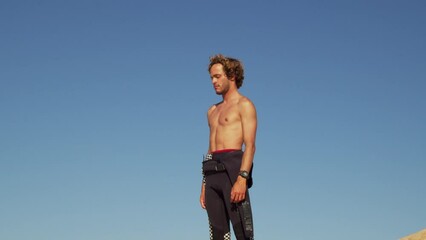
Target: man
point(227, 169)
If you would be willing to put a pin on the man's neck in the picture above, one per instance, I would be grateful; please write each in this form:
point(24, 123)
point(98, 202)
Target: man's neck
point(230, 95)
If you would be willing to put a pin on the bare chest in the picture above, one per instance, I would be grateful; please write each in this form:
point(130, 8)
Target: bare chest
point(224, 116)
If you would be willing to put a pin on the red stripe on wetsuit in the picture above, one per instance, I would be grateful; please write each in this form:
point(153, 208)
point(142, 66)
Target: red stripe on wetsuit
point(225, 151)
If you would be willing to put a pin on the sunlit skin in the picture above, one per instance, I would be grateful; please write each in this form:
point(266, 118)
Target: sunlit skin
point(232, 124)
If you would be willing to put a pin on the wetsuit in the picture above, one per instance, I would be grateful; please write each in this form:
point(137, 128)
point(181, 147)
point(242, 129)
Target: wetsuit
point(219, 208)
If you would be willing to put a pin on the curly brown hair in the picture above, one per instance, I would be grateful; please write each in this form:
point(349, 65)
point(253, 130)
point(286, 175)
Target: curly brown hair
point(231, 66)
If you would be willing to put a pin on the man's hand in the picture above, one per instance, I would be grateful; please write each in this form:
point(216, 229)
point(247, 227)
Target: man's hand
point(238, 191)
point(202, 197)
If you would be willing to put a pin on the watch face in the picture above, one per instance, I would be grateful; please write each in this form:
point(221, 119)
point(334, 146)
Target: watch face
point(244, 174)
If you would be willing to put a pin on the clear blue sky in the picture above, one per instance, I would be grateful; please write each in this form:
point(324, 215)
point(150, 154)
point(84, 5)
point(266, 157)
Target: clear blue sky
point(103, 116)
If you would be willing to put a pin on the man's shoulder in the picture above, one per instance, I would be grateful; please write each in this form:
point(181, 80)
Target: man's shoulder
point(213, 107)
point(245, 102)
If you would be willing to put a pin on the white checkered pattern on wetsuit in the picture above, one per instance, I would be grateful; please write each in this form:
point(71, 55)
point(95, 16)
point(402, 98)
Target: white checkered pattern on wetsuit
point(209, 156)
point(227, 236)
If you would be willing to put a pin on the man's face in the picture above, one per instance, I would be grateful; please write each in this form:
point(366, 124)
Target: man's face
point(219, 79)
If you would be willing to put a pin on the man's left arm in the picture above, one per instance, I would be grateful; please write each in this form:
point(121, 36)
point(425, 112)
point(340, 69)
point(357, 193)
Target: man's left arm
point(249, 126)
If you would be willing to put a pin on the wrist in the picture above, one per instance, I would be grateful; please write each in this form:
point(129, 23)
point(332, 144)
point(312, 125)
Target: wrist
point(241, 180)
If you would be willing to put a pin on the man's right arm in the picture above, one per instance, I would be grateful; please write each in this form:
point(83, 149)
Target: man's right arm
point(202, 196)
point(203, 188)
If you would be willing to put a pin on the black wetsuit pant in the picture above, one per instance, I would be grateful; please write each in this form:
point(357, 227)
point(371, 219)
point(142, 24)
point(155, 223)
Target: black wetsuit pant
point(219, 208)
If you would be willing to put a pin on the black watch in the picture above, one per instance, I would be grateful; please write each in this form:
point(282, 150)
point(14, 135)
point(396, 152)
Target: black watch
point(244, 174)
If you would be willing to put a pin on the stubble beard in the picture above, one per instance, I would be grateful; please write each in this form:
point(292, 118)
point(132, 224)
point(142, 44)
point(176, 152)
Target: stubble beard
point(222, 91)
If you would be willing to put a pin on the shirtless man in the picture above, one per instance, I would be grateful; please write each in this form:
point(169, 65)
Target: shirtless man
point(232, 124)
